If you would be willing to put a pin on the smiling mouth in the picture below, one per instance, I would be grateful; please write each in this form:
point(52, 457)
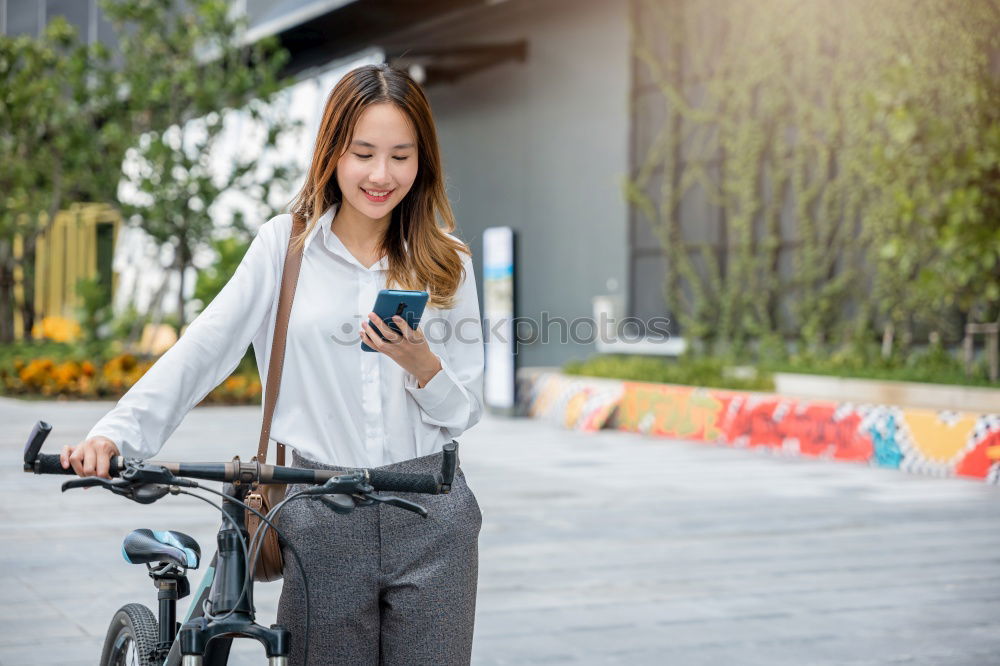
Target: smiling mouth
point(377, 196)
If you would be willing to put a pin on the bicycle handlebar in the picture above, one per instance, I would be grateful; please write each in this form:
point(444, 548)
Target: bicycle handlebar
point(252, 472)
point(146, 482)
point(46, 463)
point(404, 483)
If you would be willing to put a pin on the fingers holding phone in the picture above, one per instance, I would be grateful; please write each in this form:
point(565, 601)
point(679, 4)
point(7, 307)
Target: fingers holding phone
point(391, 304)
point(392, 329)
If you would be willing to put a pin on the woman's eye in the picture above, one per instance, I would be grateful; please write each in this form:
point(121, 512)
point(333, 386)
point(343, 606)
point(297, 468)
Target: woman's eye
point(362, 156)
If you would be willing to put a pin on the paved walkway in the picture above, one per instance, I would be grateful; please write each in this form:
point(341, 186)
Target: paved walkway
point(597, 549)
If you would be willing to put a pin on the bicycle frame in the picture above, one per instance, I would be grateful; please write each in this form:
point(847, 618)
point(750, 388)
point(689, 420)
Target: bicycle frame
point(204, 642)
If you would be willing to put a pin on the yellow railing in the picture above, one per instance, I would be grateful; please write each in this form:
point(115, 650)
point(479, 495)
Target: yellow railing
point(68, 251)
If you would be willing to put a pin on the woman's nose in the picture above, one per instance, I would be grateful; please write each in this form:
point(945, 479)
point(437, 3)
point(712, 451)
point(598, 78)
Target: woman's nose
point(380, 172)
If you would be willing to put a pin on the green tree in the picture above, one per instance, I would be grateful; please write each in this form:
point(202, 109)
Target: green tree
point(190, 70)
point(935, 164)
point(64, 127)
point(211, 280)
point(851, 149)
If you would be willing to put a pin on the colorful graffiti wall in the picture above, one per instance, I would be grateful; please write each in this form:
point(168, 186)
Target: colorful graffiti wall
point(574, 403)
point(915, 440)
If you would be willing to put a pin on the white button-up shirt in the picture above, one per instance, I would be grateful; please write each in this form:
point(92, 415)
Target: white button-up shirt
point(337, 403)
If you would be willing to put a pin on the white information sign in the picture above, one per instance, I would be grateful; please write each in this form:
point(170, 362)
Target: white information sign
point(498, 317)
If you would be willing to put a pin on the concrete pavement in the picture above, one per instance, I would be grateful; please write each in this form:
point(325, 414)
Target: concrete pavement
point(596, 549)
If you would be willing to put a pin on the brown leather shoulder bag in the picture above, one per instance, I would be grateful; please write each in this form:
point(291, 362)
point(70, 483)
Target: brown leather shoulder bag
point(262, 497)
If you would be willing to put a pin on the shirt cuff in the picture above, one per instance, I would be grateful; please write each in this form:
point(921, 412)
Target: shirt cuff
point(435, 393)
point(129, 444)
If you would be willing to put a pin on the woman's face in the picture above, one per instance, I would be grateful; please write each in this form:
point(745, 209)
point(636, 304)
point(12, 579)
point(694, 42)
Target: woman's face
point(380, 164)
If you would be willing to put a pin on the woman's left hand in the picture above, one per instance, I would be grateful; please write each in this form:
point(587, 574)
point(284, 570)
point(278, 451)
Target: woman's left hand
point(409, 349)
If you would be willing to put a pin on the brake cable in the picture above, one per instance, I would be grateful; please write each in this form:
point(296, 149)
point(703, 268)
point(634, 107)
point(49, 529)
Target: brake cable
point(246, 556)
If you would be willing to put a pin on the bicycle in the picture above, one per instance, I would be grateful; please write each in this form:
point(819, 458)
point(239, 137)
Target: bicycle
point(223, 607)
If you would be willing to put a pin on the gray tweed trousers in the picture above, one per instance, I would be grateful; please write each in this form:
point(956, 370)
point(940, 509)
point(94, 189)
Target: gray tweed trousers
point(387, 587)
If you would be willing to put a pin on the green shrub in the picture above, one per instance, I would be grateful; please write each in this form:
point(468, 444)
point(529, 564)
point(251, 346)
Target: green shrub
point(695, 371)
point(934, 364)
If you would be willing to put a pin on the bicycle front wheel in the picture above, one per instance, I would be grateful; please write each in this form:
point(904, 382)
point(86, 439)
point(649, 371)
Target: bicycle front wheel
point(132, 638)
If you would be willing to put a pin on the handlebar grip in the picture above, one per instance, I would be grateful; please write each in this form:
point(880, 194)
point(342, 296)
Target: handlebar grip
point(449, 463)
point(35, 441)
point(404, 483)
point(48, 463)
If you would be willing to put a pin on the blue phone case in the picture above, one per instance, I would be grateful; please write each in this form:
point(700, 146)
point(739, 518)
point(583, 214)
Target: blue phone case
point(390, 302)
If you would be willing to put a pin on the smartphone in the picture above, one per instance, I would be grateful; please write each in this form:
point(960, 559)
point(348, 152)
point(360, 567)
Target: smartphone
point(391, 302)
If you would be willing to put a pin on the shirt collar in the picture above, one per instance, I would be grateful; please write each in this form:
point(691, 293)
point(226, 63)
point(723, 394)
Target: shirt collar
point(324, 221)
point(333, 243)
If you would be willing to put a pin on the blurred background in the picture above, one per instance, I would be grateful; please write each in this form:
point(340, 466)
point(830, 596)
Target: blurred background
point(809, 186)
point(770, 225)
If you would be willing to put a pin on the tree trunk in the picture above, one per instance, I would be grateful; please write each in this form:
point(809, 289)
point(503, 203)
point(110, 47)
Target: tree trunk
point(28, 286)
point(888, 333)
point(145, 318)
point(6, 304)
point(183, 261)
point(180, 299)
point(6, 292)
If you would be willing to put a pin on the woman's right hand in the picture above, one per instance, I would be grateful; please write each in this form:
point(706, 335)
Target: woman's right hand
point(91, 458)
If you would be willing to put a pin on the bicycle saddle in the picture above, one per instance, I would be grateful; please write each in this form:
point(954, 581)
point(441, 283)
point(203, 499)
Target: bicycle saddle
point(143, 546)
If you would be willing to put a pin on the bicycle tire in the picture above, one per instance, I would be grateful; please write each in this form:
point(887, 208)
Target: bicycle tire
point(132, 637)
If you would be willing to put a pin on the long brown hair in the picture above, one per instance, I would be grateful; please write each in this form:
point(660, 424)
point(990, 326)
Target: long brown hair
point(420, 253)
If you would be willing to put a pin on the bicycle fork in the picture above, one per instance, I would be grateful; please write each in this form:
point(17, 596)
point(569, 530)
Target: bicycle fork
point(197, 660)
point(235, 610)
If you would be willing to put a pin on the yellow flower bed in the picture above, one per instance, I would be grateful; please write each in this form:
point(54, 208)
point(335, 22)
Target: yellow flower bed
point(57, 329)
point(84, 380)
point(236, 390)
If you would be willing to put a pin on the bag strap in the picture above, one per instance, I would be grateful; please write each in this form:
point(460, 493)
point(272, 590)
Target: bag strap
point(289, 278)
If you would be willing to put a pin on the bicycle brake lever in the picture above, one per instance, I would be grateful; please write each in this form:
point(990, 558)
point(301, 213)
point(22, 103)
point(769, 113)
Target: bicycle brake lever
point(398, 502)
point(342, 504)
point(146, 493)
point(338, 485)
point(89, 482)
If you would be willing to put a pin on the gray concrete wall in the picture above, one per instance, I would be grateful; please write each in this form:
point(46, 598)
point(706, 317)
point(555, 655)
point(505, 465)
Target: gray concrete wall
point(542, 146)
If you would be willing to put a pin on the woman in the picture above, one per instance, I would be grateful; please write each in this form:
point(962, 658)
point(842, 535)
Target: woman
point(386, 586)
